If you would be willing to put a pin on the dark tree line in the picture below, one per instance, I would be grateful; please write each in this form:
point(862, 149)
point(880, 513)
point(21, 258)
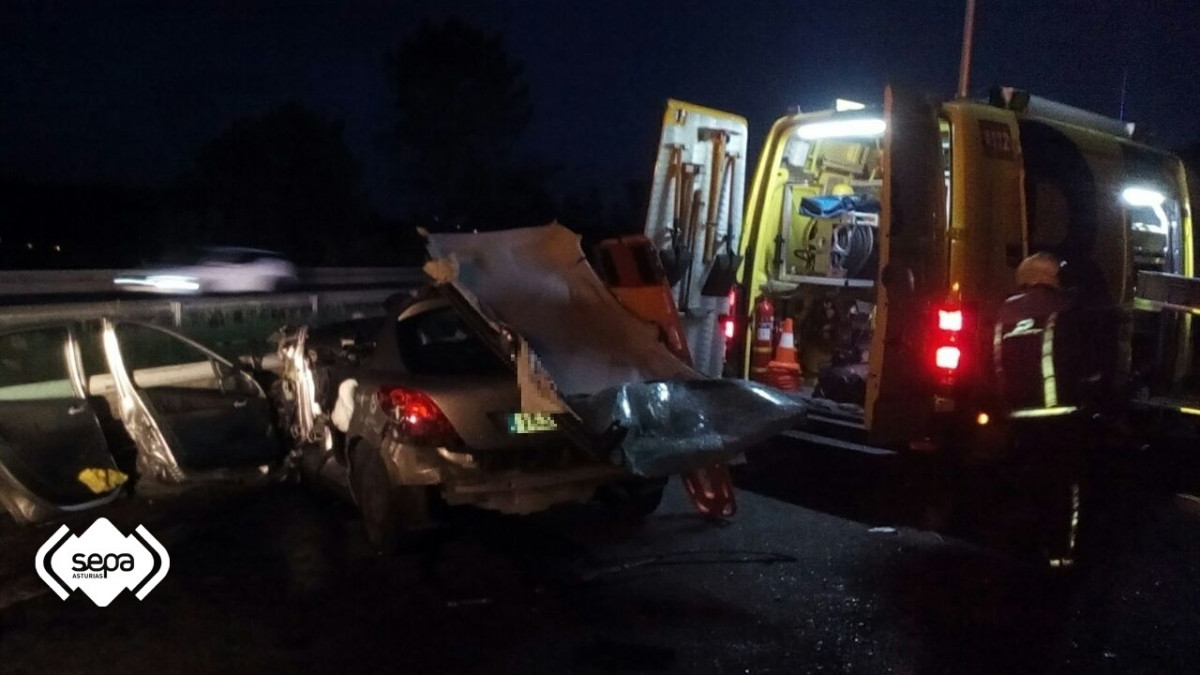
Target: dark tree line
point(462, 106)
point(287, 180)
point(284, 181)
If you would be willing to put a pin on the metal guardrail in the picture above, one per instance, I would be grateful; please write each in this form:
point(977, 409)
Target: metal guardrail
point(210, 310)
point(85, 282)
point(236, 326)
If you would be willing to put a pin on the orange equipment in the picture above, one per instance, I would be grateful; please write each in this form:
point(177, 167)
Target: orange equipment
point(634, 273)
point(783, 372)
point(764, 329)
point(631, 268)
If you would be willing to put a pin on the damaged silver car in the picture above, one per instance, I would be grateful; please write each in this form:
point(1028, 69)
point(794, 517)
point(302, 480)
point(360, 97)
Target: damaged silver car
point(515, 382)
point(90, 410)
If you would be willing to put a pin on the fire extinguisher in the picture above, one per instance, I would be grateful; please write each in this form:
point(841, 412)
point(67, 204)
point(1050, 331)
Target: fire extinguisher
point(764, 332)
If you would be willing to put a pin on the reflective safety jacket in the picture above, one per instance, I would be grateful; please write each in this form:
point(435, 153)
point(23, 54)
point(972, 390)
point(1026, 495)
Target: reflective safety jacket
point(1033, 361)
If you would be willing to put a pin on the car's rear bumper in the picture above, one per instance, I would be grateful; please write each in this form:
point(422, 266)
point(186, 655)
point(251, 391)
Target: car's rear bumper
point(519, 492)
point(464, 481)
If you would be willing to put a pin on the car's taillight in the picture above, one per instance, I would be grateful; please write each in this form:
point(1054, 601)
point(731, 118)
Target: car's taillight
point(416, 416)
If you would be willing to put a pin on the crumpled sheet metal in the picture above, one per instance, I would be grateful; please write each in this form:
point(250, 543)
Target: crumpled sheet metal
point(673, 427)
point(608, 365)
point(538, 282)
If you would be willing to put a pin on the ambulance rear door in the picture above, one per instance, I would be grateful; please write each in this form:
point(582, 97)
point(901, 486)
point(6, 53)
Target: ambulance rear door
point(695, 219)
point(912, 270)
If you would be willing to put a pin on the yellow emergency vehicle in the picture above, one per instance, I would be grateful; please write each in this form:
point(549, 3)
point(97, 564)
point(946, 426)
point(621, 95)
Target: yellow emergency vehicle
point(891, 235)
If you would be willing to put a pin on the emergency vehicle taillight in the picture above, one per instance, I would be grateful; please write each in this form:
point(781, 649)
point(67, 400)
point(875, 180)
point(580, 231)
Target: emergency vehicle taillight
point(946, 340)
point(947, 357)
point(728, 322)
point(950, 320)
point(415, 415)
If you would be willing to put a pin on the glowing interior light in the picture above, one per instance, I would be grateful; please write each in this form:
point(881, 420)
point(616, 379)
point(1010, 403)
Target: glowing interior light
point(947, 357)
point(857, 127)
point(982, 419)
point(1135, 196)
point(951, 320)
point(842, 105)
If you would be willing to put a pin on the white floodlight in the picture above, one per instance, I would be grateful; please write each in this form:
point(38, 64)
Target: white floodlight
point(842, 105)
point(1136, 196)
point(859, 127)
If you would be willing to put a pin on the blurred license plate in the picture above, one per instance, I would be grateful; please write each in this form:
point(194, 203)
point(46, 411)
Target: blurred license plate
point(530, 423)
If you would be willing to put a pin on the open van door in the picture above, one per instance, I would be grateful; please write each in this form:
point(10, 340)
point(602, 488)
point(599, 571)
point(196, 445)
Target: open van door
point(695, 219)
point(913, 260)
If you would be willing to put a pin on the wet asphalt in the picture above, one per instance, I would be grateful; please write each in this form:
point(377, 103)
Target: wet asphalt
point(808, 577)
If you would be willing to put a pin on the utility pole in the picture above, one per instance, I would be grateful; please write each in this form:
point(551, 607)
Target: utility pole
point(964, 67)
point(1124, 85)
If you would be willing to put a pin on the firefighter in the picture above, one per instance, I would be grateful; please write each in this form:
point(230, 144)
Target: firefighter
point(1024, 339)
point(1048, 380)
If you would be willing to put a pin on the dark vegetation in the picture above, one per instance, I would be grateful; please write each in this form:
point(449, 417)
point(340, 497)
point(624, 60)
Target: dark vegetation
point(287, 180)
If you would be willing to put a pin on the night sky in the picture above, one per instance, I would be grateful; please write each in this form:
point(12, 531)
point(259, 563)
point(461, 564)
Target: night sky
point(126, 92)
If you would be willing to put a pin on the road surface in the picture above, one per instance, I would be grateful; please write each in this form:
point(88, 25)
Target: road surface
point(282, 582)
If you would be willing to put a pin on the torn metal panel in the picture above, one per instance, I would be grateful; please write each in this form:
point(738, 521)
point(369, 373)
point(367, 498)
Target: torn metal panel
point(673, 427)
point(610, 367)
point(538, 282)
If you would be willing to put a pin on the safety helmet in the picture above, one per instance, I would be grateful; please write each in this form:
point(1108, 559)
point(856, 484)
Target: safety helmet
point(1039, 269)
point(842, 190)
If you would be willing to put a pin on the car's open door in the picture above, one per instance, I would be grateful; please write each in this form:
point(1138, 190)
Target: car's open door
point(191, 412)
point(912, 264)
point(53, 454)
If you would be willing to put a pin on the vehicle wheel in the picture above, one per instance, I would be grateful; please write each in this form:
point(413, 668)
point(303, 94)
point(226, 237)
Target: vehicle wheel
point(648, 497)
point(635, 498)
point(391, 513)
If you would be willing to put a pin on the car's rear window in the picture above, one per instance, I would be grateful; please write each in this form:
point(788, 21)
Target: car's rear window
point(437, 342)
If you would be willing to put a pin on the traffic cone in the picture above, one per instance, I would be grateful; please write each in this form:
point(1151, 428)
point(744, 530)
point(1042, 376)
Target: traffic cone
point(784, 370)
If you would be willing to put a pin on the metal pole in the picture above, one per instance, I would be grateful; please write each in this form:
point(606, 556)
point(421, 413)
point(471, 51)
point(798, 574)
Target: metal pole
point(1124, 85)
point(964, 68)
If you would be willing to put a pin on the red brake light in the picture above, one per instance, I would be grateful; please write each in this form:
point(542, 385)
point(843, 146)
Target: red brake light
point(947, 357)
point(950, 320)
point(729, 327)
point(416, 416)
point(946, 339)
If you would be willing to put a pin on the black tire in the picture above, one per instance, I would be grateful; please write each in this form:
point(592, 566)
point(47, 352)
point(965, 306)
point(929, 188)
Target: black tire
point(391, 513)
point(635, 499)
point(647, 497)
